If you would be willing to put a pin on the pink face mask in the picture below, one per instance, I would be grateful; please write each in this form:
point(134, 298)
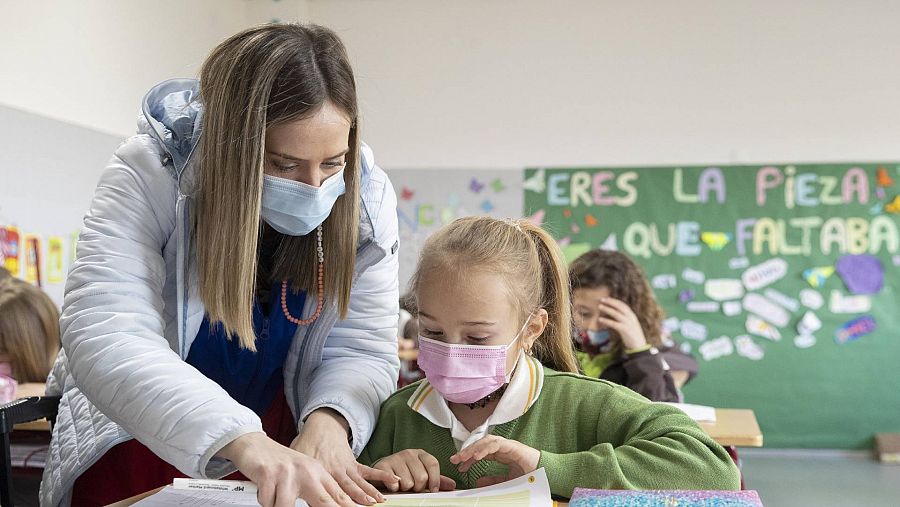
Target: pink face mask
point(464, 373)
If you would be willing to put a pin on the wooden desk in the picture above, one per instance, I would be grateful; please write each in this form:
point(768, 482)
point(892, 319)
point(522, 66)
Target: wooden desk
point(737, 427)
point(32, 389)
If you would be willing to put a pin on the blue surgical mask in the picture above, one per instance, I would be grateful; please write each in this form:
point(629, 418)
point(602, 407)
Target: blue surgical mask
point(598, 337)
point(295, 208)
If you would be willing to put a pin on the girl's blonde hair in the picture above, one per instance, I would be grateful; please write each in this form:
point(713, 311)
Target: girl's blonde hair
point(29, 330)
point(258, 78)
point(527, 258)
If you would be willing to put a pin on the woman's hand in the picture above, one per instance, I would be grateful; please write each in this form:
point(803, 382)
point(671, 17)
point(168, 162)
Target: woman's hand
point(415, 470)
point(282, 474)
point(622, 319)
point(324, 438)
point(520, 458)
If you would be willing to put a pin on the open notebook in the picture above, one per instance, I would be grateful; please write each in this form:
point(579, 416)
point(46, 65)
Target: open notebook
point(531, 490)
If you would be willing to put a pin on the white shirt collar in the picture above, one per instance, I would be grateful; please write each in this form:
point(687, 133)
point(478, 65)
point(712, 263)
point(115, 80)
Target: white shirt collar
point(521, 393)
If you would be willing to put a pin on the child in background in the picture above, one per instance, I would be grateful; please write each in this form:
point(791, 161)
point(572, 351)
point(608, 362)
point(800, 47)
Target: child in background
point(502, 396)
point(408, 345)
point(29, 335)
point(619, 328)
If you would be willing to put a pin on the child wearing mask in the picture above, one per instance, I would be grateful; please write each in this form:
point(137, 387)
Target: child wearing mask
point(502, 396)
point(29, 335)
point(619, 335)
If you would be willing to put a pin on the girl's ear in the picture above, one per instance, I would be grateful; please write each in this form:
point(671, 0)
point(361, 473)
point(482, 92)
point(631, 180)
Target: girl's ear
point(535, 327)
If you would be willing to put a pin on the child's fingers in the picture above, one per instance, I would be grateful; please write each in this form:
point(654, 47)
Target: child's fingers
point(393, 483)
point(401, 470)
point(447, 484)
point(433, 469)
point(611, 311)
point(418, 472)
point(612, 324)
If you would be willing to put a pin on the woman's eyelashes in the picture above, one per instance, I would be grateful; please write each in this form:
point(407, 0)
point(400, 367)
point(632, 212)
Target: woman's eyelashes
point(428, 333)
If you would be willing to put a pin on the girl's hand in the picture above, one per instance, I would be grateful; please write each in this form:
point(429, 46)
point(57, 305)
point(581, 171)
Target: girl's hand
point(324, 438)
point(622, 319)
point(520, 458)
point(414, 470)
point(282, 474)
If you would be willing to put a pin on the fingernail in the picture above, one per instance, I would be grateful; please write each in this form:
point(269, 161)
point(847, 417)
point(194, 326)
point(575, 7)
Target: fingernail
point(369, 500)
point(397, 478)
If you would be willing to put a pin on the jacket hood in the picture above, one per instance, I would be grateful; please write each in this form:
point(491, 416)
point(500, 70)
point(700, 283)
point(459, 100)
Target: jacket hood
point(172, 113)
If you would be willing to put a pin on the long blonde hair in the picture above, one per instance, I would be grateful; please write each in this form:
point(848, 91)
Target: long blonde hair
point(530, 262)
point(29, 330)
point(258, 78)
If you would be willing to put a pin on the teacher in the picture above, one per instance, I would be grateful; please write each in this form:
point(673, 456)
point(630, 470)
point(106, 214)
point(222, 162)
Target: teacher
point(235, 285)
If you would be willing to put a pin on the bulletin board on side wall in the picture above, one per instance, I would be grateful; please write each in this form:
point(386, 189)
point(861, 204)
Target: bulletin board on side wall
point(428, 199)
point(782, 280)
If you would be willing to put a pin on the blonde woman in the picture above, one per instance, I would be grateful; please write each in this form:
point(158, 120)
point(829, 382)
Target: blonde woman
point(236, 284)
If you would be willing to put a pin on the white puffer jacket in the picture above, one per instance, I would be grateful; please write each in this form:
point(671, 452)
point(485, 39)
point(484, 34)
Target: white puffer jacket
point(132, 310)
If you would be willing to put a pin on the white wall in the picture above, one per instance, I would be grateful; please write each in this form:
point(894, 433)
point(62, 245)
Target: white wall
point(511, 83)
point(90, 62)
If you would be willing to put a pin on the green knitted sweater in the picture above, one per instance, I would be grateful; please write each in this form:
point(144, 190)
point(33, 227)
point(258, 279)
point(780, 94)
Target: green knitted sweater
point(591, 433)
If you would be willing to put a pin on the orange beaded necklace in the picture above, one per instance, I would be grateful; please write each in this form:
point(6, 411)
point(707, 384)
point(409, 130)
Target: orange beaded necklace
point(320, 253)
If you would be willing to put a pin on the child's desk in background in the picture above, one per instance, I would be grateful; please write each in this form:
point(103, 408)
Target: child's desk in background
point(734, 426)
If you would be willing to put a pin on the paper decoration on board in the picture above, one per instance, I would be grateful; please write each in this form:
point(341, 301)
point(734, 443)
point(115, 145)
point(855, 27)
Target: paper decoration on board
point(55, 259)
point(839, 303)
point(693, 276)
point(536, 183)
point(759, 327)
point(809, 324)
point(766, 273)
point(574, 227)
point(782, 299)
point(671, 324)
point(610, 243)
point(721, 289)
point(816, 277)
point(664, 281)
point(731, 308)
point(487, 206)
point(714, 349)
point(854, 329)
point(567, 213)
point(575, 250)
point(590, 220)
point(537, 218)
point(497, 185)
point(476, 186)
point(761, 305)
point(896, 260)
point(693, 330)
point(685, 296)
point(703, 307)
point(878, 207)
point(406, 194)
point(862, 274)
point(685, 347)
point(564, 241)
point(882, 178)
point(33, 259)
point(893, 207)
point(10, 242)
point(715, 240)
point(738, 262)
point(804, 341)
point(748, 348)
point(811, 299)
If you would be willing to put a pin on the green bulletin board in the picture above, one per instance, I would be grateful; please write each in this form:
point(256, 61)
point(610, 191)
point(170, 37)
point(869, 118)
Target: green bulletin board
point(777, 242)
